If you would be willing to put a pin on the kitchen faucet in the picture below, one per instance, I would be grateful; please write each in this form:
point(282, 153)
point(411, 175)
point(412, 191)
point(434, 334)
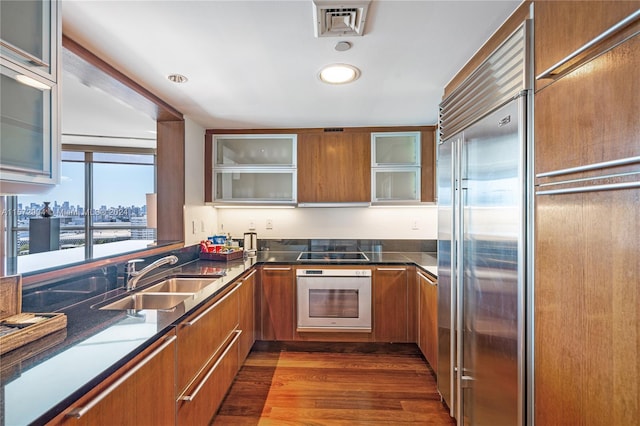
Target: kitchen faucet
point(134, 276)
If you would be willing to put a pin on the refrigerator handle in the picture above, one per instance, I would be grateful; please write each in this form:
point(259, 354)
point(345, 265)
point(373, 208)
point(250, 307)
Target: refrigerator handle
point(459, 281)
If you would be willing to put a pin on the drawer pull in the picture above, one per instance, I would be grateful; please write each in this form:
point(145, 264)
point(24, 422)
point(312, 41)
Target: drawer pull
point(391, 269)
point(81, 411)
point(203, 314)
point(34, 60)
point(213, 368)
point(592, 188)
point(276, 269)
point(250, 275)
point(427, 279)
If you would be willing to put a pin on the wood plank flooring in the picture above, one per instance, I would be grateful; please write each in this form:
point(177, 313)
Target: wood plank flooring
point(329, 388)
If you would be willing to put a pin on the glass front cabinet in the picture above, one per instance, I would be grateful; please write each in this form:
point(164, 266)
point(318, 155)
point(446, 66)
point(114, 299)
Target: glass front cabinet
point(29, 120)
point(254, 169)
point(395, 167)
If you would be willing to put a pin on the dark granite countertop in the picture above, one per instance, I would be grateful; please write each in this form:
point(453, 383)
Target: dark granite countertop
point(98, 342)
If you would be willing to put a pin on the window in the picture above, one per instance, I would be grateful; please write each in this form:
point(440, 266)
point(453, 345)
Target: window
point(101, 194)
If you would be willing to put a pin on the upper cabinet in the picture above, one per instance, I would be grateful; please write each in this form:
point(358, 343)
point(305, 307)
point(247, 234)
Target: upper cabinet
point(395, 162)
point(576, 23)
point(254, 168)
point(29, 126)
point(334, 167)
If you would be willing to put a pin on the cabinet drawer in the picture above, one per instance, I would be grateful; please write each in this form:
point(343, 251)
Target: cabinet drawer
point(202, 335)
point(200, 403)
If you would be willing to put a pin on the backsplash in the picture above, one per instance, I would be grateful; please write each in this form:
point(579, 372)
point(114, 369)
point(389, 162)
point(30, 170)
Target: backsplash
point(348, 245)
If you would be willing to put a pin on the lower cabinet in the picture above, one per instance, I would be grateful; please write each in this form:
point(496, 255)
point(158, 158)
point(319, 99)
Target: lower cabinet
point(142, 392)
point(246, 316)
point(207, 358)
point(390, 304)
point(277, 302)
point(428, 318)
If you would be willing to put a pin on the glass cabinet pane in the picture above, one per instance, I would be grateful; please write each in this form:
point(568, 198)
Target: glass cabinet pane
point(268, 150)
point(254, 186)
point(25, 30)
point(397, 185)
point(25, 125)
point(396, 148)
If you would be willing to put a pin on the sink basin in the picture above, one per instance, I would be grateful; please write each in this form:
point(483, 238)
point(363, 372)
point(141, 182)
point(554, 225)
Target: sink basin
point(179, 285)
point(148, 301)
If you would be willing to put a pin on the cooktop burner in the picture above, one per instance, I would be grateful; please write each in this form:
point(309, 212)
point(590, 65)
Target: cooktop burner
point(335, 256)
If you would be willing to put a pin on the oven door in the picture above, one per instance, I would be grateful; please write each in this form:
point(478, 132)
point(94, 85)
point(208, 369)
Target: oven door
point(334, 300)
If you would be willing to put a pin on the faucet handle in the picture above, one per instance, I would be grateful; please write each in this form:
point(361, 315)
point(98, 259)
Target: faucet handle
point(131, 265)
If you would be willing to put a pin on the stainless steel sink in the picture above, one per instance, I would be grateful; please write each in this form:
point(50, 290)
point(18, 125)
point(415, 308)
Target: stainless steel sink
point(180, 285)
point(144, 300)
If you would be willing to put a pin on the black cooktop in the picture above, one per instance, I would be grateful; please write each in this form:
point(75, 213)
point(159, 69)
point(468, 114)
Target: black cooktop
point(334, 256)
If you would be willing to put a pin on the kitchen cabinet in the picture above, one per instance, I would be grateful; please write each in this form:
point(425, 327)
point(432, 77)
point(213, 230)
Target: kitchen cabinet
point(334, 167)
point(395, 167)
point(141, 392)
point(428, 318)
point(254, 168)
point(207, 358)
point(277, 302)
point(390, 299)
point(575, 23)
point(29, 61)
point(586, 222)
point(247, 314)
point(428, 165)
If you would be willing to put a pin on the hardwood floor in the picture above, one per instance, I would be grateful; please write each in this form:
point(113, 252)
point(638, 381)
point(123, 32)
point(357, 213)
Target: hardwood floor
point(293, 387)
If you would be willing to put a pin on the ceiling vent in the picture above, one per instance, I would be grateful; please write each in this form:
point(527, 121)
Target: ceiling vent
point(339, 19)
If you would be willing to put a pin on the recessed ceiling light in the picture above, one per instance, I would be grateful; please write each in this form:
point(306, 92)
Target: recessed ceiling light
point(177, 78)
point(339, 73)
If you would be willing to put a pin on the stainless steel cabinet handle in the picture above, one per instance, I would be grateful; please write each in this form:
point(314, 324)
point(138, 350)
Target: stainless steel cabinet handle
point(81, 411)
point(427, 279)
point(591, 188)
point(250, 275)
point(27, 55)
point(211, 371)
point(206, 311)
point(276, 269)
point(590, 167)
point(391, 269)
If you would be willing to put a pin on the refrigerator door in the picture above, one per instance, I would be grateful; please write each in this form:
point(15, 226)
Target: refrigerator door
point(492, 182)
point(446, 273)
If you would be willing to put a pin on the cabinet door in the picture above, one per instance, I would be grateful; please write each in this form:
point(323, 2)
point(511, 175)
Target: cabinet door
point(247, 315)
point(143, 392)
point(29, 33)
point(334, 167)
point(575, 23)
point(428, 166)
point(428, 329)
point(390, 311)
point(203, 398)
point(277, 306)
point(203, 334)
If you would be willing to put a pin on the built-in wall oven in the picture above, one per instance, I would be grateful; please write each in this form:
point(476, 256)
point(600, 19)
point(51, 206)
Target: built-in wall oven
point(334, 300)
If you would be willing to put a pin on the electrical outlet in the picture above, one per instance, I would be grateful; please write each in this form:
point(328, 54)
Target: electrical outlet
point(193, 227)
point(252, 226)
point(414, 225)
point(269, 224)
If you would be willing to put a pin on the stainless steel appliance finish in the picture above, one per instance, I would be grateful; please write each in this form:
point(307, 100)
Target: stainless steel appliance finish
point(334, 256)
point(482, 256)
point(334, 300)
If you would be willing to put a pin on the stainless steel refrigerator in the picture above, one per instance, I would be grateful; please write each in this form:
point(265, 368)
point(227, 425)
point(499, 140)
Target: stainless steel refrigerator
point(482, 240)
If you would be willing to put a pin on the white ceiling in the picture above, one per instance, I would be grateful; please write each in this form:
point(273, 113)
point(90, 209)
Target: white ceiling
point(254, 64)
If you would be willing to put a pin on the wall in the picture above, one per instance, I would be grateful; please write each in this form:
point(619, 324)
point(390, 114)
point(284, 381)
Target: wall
point(200, 221)
point(351, 223)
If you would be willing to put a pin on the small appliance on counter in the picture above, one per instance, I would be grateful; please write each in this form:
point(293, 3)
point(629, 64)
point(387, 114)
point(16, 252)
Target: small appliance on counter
point(250, 243)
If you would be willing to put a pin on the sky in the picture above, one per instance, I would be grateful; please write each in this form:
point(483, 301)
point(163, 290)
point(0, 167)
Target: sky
point(114, 185)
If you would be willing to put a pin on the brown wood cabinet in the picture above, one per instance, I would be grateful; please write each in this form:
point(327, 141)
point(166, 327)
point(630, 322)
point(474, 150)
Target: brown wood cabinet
point(207, 355)
point(277, 302)
point(587, 222)
point(428, 318)
point(390, 299)
point(142, 392)
point(247, 315)
point(428, 166)
point(334, 167)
